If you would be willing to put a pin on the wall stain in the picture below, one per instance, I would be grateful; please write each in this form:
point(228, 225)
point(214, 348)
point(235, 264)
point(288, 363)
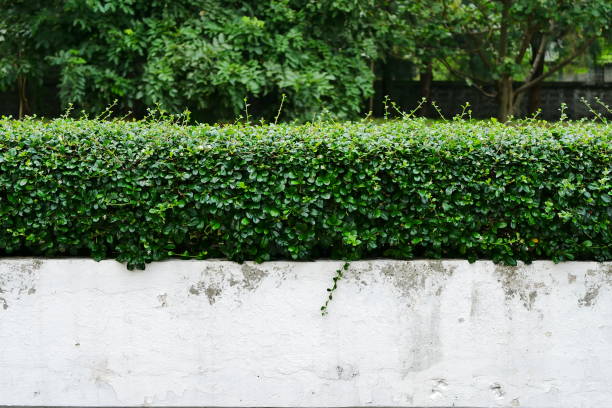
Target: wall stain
point(516, 282)
point(210, 291)
point(594, 281)
point(17, 278)
point(590, 296)
point(475, 301)
point(212, 294)
point(346, 373)
point(163, 300)
point(417, 279)
point(425, 345)
point(214, 281)
point(252, 276)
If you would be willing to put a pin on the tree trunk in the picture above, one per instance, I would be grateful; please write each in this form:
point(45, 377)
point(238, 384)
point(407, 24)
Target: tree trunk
point(24, 107)
point(505, 94)
point(534, 103)
point(506, 98)
point(425, 80)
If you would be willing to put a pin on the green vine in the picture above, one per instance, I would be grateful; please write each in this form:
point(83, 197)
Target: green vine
point(339, 275)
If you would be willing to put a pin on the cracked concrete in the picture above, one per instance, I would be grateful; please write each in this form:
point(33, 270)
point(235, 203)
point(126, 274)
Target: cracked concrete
point(214, 333)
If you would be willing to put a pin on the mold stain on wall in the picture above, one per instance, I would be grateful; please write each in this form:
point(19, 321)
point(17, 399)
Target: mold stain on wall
point(17, 279)
point(214, 281)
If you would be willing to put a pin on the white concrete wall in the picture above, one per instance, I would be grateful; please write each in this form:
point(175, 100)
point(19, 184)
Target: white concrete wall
point(422, 333)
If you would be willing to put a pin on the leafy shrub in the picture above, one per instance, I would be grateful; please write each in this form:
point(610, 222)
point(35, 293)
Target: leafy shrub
point(144, 191)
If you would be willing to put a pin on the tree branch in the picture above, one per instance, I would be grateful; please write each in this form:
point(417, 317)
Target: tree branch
point(479, 50)
point(557, 67)
point(463, 75)
point(503, 34)
point(524, 44)
point(538, 58)
point(457, 72)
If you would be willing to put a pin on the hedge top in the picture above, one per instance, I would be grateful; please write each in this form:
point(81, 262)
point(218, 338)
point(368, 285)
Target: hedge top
point(144, 191)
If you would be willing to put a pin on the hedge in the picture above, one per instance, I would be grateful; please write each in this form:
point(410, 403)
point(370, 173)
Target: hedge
point(144, 191)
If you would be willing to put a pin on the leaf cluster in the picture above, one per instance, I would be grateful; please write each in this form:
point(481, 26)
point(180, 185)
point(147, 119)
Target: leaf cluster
point(145, 191)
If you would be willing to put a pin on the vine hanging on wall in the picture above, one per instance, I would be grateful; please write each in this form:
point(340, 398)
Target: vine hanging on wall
point(339, 275)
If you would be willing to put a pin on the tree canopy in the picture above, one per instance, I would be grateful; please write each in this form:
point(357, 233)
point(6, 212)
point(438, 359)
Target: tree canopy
point(500, 46)
point(220, 59)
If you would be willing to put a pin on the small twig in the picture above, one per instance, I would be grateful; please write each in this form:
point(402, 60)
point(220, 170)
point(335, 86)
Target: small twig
point(279, 109)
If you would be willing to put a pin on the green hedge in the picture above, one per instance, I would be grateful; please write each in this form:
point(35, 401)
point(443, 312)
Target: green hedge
point(144, 191)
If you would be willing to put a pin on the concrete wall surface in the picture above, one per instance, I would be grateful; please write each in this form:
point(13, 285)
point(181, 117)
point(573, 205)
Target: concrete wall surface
point(74, 332)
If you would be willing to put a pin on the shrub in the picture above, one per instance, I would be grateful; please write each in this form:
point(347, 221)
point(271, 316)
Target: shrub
point(142, 191)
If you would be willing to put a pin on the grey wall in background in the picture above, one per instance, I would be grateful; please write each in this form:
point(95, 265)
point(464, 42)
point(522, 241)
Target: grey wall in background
point(448, 95)
point(451, 95)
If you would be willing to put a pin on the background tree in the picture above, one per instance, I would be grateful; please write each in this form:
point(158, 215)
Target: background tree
point(208, 55)
point(501, 42)
point(423, 40)
point(30, 30)
point(204, 55)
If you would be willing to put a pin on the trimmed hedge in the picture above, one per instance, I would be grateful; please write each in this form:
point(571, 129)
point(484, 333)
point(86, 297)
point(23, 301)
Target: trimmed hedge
point(144, 191)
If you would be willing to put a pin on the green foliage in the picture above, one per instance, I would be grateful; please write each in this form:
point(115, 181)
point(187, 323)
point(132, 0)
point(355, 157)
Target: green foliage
point(491, 39)
point(208, 55)
point(145, 191)
point(603, 55)
point(493, 44)
point(20, 54)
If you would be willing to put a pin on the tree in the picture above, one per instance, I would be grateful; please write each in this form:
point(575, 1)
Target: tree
point(208, 55)
point(29, 31)
point(503, 41)
point(423, 40)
